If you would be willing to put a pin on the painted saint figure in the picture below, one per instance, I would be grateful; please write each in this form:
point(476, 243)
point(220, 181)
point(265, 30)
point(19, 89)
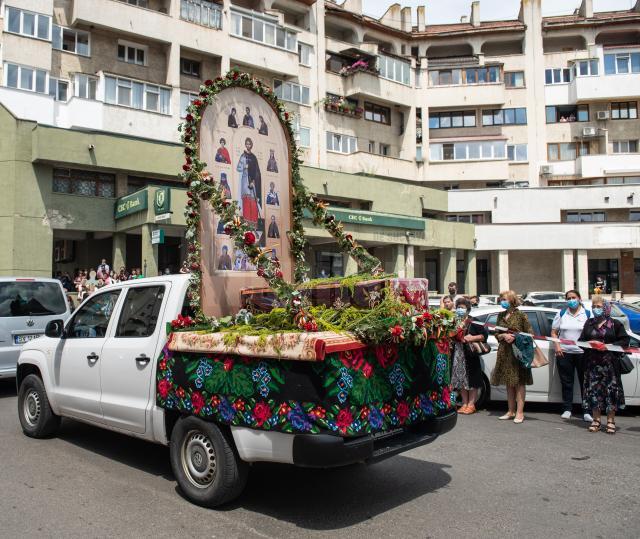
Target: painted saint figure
point(273, 231)
point(272, 165)
point(272, 195)
point(222, 155)
point(263, 129)
point(232, 121)
point(250, 184)
point(247, 121)
point(224, 261)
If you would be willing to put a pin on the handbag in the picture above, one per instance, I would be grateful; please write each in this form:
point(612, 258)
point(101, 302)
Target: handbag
point(626, 365)
point(479, 348)
point(527, 353)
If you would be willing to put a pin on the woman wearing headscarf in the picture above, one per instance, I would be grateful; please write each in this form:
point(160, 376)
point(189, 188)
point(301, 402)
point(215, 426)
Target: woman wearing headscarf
point(509, 371)
point(603, 392)
point(466, 375)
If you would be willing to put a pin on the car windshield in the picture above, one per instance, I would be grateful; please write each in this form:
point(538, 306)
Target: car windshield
point(541, 296)
point(32, 298)
point(631, 307)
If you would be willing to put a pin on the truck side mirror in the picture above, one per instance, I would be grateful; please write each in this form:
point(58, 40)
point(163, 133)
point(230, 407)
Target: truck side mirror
point(54, 329)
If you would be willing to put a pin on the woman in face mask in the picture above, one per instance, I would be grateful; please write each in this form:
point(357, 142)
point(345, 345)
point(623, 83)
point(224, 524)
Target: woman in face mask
point(603, 391)
point(568, 325)
point(509, 371)
point(466, 375)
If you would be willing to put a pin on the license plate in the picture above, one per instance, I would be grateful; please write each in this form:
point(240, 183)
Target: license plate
point(21, 339)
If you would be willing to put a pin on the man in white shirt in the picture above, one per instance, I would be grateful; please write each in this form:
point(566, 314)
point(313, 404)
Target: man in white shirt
point(568, 324)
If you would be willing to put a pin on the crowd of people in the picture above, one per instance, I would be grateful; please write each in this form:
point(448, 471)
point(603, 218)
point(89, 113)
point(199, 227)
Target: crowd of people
point(599, 370)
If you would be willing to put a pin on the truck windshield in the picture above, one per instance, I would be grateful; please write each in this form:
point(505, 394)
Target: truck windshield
point(32, 298)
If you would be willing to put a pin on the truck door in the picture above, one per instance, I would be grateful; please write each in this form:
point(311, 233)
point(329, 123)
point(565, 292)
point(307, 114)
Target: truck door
point(129, 357)
point(79, 354)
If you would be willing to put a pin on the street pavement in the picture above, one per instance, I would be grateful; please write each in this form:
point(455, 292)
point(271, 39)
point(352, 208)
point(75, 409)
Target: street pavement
point(486, 478)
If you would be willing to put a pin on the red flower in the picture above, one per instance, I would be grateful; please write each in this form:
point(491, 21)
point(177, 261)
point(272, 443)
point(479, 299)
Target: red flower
point(228, 230)
point(191, 248)
point(279, 274)
point(215, 400)
point(203, 93)
point(310, 326)
point(197, 103)
point(344, 420)
point(209, 82)
point(260, 272)
point(427, 316)
point(228, 364)
point(443, 346)
point(188, 151)
point(188, 160)
point(187, 138)
point(163, 365)
point(284, 409)
point(446, 395)
point(197, 401)
point(262, 413)
point(195, 266)
point(186, 167)
point(286, 115)
point(367, 370)
point(386, 409)
point(352, 359)
point(403, 411)
point(364, 413)
point(164, 386)
point(386, 354)
point(235, 75)
point(249, 238)
point(419, 321)
point(239, 405)
point(318, 412)
point(180, 392)
point(397, 333)
point(189, 117)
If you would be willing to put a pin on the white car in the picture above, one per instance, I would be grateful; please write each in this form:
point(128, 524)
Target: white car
point(535, 297)
point(546, 380)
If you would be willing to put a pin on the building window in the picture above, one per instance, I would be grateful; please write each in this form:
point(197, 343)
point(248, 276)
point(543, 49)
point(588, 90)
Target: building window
point(201, 12)
point(186, 98)
point(586, 217)
point(514, 79)
point(137, 95)
point(27, 23)
point(467, 151)
point(394, 69)
point(341, 143)
point(471, 75)
point(189, 67)
point(567, 113)
point(25, 78)
point(517, 152)
point(504, 117)
point(304, 54)
point(85, 86)
point(557, 76)
point(634, 215)
point(624, 111)
point(372, 146)
point(625, 146)
point(304, 137)
point(138, 3)
point(377, 113)
point(384, 149)
point(585, 68)
point(132, 54)
point(74, 41)
point(84, 182)
point(475, 218)
point(622, 62)
point(290, 91)
point(58, 89)
point(567, 151)
point(445, 120)
point(263, 30)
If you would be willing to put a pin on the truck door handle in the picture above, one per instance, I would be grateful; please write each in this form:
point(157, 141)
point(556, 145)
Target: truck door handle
point(143, 358)
point(93, 357)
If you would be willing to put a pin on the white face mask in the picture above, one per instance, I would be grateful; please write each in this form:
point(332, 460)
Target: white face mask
point(461, 312)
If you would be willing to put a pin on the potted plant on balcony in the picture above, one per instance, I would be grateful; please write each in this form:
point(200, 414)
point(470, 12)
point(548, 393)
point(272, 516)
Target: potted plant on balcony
point(358, 65)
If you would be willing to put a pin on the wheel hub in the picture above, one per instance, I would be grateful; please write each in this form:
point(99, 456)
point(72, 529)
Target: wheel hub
point(198, 459)
point(32, 408)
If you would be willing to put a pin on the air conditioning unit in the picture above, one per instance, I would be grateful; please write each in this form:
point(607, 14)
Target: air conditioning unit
point(602, 115)
point(546, 170)
point(589, 131)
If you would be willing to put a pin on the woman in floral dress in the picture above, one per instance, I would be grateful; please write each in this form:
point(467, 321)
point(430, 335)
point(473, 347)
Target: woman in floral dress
point(603, 392)
point(508, 370)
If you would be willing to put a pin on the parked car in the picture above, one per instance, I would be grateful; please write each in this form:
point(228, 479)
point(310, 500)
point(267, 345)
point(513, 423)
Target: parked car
point(546, 380)
point(489, 299)
point(536, 297)
point(26, 307)
point(632, 312)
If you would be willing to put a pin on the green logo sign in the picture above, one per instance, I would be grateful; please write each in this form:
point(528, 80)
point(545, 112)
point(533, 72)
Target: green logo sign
point(162, 200)
point(375, 219)
point(132, 203)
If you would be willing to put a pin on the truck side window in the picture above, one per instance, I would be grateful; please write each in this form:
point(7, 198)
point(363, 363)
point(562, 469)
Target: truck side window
point(187, 309)
point(92, 319)
point(139, 315)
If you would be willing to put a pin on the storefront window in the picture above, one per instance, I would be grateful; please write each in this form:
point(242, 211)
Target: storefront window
point(83, 183)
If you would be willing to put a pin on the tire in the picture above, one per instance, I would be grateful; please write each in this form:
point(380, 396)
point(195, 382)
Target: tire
point(484, 393)
point(205, 463)
point(36, 416)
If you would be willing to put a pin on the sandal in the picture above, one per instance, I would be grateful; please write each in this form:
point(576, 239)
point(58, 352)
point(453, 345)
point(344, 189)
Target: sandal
point(471, 409)
point(611, 427)
point(595, 425)
point(506, 416)
point(464, 409)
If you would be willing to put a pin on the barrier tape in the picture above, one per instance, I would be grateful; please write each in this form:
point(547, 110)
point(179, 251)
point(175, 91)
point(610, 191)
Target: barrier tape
point(582, 344)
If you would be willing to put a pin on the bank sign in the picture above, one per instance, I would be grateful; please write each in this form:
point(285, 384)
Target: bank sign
point(376, 219)
point(132, 203)
point(162, 201)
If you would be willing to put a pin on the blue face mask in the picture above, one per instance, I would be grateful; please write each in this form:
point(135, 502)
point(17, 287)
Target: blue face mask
point(461, 312)
point(505, 304)
point(598, 311)
point(573, 303)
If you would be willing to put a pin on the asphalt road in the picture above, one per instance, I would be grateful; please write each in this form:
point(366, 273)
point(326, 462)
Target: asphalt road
point(487, 478)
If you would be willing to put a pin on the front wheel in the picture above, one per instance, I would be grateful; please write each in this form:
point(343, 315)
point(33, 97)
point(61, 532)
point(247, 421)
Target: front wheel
point(36, 416)
point(205, 463)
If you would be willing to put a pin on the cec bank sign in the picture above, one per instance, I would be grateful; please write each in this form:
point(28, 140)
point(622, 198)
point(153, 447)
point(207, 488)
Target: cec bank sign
point(132, 203)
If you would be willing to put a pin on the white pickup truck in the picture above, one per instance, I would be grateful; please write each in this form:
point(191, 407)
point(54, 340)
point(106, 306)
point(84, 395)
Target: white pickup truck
point(100, 368)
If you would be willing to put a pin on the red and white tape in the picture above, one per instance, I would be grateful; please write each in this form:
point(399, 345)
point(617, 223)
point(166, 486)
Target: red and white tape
point(582, 344)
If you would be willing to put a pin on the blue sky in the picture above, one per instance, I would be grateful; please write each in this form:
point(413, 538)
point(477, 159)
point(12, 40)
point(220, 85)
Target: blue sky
point(448, 11)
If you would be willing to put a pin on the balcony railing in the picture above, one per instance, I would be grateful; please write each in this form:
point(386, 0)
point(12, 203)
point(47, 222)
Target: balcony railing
point(201, 12)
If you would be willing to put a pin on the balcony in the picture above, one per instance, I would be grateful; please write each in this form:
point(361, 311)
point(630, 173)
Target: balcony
point(483, 170)
point(470, 95)
point(372, 164)
point(593, 166)
point(370, 84)
point(604, 87)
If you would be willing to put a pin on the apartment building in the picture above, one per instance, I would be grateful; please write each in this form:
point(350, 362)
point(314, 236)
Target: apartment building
point(422, 131)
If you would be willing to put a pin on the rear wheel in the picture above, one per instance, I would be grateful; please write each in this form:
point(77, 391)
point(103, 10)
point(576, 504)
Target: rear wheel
point(36, 417)
point(484, 393)
point(205, 463)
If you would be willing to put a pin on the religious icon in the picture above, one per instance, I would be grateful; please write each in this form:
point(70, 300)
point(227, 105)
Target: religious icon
point(273, 231)
point(232, 121)
point(272, 195)
point(224, 260)
point(272, 165)
point(247, 121)
point(250, 184)
point(263, 129)
point(222, 155)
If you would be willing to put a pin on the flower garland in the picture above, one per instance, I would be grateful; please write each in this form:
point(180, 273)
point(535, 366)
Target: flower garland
point(202, 186)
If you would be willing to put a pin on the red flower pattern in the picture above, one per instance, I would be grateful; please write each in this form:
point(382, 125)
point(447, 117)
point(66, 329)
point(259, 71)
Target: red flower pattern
point(262, 412)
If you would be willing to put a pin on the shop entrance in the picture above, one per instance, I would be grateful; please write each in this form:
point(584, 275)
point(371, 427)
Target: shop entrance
point(607, 270)
point(80, 250)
